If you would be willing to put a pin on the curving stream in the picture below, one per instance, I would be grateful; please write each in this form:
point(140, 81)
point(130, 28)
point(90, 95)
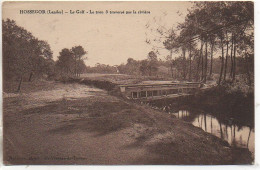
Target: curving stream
point(237, 130)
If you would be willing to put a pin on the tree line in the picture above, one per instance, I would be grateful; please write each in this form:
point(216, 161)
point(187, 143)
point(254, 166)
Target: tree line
point(25, 57)
point(162, 68)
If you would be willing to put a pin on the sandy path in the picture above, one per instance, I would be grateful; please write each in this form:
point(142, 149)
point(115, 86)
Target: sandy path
point(28, 139)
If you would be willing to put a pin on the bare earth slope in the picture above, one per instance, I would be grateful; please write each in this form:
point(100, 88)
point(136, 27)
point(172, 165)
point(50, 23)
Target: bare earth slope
point(76, 124)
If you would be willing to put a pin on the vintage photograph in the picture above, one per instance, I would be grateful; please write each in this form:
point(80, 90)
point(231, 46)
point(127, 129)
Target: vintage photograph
point(128, 83)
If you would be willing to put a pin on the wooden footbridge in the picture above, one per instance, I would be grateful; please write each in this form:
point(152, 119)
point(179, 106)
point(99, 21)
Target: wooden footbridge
point(158, 90)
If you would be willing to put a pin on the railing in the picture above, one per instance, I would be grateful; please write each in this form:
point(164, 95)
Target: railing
point(151, 90)
point(167, 84)
point(177, 85)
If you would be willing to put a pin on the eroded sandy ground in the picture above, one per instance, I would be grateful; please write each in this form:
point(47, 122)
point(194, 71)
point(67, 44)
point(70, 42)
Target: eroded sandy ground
point(77, 124)
point(66, 92)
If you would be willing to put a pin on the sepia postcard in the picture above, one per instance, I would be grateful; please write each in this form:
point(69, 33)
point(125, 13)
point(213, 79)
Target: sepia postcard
point(128, 83)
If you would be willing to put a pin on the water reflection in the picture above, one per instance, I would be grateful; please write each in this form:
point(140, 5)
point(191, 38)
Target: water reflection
point(239, 136)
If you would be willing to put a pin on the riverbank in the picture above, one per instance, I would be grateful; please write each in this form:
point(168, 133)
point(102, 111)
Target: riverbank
point(77, 124)
point(225, 114)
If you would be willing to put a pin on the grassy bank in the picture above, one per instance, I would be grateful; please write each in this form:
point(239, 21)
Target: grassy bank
point(235, 101)
point(102, 129)
point(220, 101)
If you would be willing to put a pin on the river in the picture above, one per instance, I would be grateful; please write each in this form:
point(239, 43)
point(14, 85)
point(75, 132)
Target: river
point(230, 132)
point(226, 128)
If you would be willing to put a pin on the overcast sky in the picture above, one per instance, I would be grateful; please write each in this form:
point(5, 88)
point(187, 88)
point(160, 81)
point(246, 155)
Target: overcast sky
point(109, 39)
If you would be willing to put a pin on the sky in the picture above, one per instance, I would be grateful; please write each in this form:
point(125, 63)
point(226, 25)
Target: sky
point(108, 38)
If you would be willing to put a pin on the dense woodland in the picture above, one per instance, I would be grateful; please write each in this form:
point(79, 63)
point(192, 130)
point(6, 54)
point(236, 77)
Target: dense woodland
point(215, 42)
point(213, 33)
